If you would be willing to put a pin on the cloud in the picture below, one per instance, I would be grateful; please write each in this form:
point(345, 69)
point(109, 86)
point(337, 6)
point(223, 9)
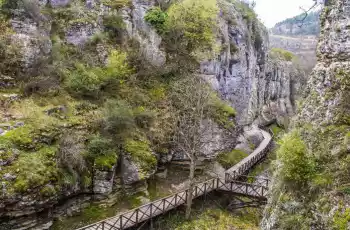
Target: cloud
point(272, 11)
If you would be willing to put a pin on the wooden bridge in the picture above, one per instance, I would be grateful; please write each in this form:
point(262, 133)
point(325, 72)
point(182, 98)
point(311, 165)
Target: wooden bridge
point(231, 183)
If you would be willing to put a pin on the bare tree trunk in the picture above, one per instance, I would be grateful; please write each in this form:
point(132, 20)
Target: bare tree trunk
point(190, 189)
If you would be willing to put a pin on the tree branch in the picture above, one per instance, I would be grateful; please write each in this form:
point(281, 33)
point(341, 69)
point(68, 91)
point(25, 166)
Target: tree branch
point(306, 13)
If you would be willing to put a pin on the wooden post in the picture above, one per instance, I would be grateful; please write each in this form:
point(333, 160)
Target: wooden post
point(151, 215)
point(137, 216)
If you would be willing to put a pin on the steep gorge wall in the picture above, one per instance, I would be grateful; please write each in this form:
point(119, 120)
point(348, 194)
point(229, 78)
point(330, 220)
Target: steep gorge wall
point(310, 189)
point(260, 89)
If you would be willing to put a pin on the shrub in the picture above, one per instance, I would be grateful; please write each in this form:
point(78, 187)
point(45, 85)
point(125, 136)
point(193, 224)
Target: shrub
point(116, 4)
point(221, 112)
point(101, 152)
point(140, 152)
point(157, 18)
point(276, 130)
point(89, 81)
point(229, 159)
point(117, 66)
point(191, 24)
point(119, 120)
point(71, 153)
point(144, 118)
point(22, 137)
point(281, 53)
point(341, 219)
point(10, 53)
point(297, 168)
point(114, 23)
point(35, 169)
point(84, 80)
point(233, 48)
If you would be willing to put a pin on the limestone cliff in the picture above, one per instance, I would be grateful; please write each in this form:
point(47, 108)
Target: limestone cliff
point(259, 87)
point(311, 179)
point(48, 130)
point(303, 46)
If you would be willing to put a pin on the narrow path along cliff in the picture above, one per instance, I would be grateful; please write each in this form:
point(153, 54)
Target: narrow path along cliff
point(163, 205)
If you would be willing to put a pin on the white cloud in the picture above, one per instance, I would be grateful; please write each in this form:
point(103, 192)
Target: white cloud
point(272, 11)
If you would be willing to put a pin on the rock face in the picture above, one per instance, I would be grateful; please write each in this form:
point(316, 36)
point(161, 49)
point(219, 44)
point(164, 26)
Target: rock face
point(137, 28)
point(323, 124)
point(244, 76)
point(304, 47)
point(260, 90)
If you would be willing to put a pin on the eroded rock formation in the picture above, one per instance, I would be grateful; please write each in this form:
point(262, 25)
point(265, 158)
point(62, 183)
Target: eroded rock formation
point(315, 196)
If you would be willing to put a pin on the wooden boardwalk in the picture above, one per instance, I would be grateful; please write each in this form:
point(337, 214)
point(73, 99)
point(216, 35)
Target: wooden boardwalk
point(230, 183)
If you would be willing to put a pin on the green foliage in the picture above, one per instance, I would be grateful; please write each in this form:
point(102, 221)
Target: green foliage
point(136, 199)
point(101, 152)
point(191, 24)
point(208, 220)
point(341, 219)
point(276, 130)
point(157, 18)
point(297, 167)
point(10, 54)
point(6, 6)
point(114, 23)
point(144, 118)
point(229, 159)
point(295, 221)
point(84, 80)
point(22, 137)
point(117, 4)
point(35, 169)
point(122, 121)
point(93, 212)
point(281, 53)
point(89, 81)
point(233, 48)
point(119, 120)
point(248, 14)
point(221, 112)
point(141, 152)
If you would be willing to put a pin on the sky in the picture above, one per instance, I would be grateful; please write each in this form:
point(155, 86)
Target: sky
point(272, 11)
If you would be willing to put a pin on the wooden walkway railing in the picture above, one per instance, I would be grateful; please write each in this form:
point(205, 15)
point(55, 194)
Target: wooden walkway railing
point(230, 183)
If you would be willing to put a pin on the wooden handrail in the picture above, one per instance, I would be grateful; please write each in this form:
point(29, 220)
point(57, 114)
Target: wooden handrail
point(229, 183)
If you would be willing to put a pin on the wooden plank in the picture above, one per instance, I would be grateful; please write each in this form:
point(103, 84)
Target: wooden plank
point(163, 205)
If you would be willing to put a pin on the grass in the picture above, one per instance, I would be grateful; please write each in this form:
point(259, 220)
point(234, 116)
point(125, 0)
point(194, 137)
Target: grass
point(276, 130)
point(207, 216)
point(229, 159)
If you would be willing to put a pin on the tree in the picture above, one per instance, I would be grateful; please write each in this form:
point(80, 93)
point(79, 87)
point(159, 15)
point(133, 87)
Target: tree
point(190, 26)
point(191, 96)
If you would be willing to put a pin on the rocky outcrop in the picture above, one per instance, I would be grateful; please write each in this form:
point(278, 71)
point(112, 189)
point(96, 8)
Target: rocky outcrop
point(321, 201)
point(304, 47)
point(140, 30)
point(244, 75)
point(241, 73)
